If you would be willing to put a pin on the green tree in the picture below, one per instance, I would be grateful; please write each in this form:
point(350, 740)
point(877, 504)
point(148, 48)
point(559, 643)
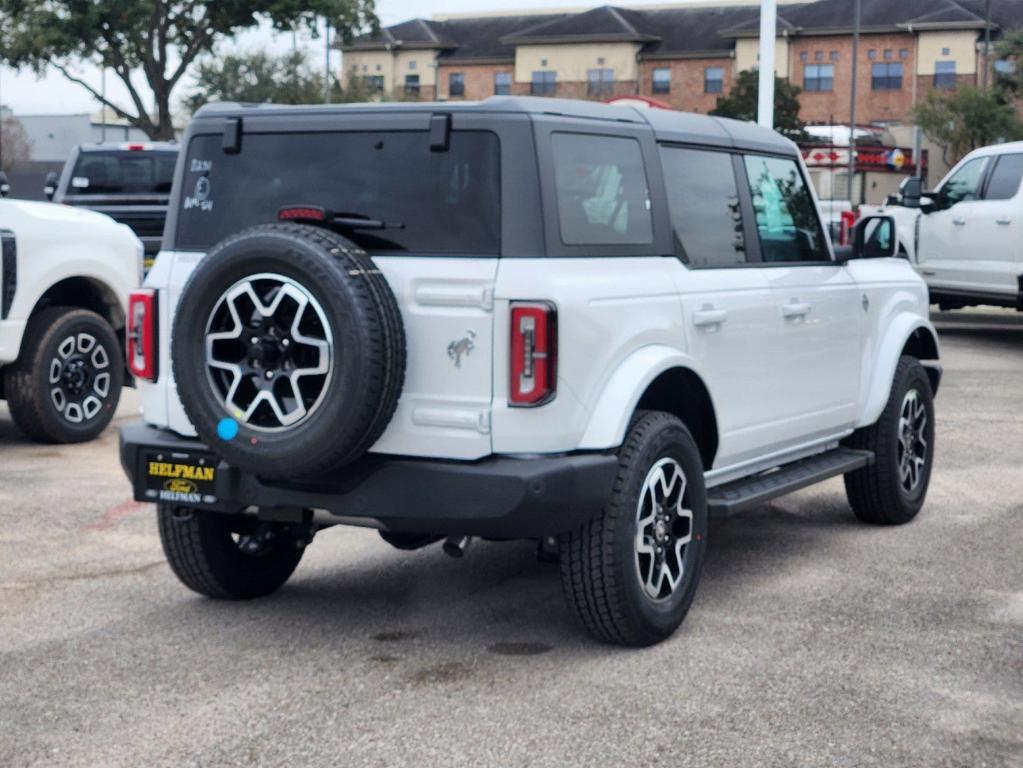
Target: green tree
point(741, 103)
point(1009, 74)
point(966, 118)
point(157, 40)
point(258, 77)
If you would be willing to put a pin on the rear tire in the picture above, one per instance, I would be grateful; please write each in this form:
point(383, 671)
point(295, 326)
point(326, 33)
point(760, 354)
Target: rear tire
point(66, 383)
point(891, 491)
point(228, 557)
point(611, 569)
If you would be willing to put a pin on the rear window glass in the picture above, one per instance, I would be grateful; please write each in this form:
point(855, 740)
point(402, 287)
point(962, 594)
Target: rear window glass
point(603, 198)
point(123, 173)
point(437, 202)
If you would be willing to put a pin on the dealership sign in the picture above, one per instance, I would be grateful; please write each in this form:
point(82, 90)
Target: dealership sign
point(884, 159)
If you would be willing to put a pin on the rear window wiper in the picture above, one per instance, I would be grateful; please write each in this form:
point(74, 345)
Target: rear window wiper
point(319, 215)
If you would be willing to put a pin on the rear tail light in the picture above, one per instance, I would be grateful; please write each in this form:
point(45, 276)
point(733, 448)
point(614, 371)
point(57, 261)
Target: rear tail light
point(141, 334)
point(534, 353)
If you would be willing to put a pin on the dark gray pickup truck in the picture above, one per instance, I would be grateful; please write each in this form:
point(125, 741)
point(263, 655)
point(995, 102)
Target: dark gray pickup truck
point(129, 182)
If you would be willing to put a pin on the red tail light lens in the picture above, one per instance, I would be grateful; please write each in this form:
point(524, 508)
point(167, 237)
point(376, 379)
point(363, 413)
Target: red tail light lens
point(534, 354)
point(141, 334)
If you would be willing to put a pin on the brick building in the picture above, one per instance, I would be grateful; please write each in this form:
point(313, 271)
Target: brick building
point(688, 56)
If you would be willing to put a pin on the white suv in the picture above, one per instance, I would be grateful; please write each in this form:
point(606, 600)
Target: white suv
point(65, 276)
point(522, 318)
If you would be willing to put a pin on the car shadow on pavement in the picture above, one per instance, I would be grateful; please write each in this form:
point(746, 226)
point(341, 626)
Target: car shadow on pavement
point(497, 597)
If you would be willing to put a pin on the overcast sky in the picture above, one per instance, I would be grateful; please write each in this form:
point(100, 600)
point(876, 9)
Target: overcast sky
point(26, 94)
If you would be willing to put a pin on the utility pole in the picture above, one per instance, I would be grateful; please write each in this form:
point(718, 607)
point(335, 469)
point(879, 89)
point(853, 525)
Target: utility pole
point(326, 73)
point(768, 30)
point(103, 102)
point(987, 40)
point(852, 101)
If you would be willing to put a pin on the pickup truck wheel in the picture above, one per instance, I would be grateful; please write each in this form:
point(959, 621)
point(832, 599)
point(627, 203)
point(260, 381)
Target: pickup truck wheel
point(230, 557)
point(891, 491)
point(631, 573)
point(288, 350)
point(65, 385)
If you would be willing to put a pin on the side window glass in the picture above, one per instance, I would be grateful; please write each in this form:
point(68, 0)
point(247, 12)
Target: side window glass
point(1005, 178)
point(603, 196)
point(786, 216)
point(964, 184)
point(703, 201)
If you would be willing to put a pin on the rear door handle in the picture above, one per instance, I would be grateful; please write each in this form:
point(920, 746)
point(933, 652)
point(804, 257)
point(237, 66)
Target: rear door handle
point(958, 221)
point(795, 309)
point(1004, 221)
point(709, 317)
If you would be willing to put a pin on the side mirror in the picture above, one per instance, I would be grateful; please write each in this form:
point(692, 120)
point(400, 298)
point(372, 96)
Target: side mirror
point(50, 185)
point(875, 237)
point(5, 185)
point(912, 190)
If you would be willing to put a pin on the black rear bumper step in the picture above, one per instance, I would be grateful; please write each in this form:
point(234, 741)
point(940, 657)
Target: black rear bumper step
point(751, 492)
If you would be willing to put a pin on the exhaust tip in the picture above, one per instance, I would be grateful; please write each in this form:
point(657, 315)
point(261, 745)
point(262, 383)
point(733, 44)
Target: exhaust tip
point(455, 546)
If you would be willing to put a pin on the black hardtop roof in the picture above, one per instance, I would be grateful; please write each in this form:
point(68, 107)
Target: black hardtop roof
point(668, 125)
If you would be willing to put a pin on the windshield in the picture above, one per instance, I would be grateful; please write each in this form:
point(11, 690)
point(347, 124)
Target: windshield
point(445, 202)
point(123, 172)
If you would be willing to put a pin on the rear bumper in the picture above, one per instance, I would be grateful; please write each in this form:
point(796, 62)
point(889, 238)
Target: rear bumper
point(499, 496)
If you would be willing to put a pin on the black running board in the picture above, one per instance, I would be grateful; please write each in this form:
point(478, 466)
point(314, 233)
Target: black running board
point(751, 492)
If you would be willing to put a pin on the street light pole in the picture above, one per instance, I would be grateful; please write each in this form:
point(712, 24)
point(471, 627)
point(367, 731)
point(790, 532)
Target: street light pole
point(852, 101)
point(987, 40)
point(326, 73)
point(768, 30)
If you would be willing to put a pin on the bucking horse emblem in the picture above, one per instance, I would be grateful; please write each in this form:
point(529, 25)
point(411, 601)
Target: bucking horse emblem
point(463, 346)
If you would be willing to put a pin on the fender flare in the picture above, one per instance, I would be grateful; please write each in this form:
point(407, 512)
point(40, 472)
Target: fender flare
point(620, 395)
point(900, 330)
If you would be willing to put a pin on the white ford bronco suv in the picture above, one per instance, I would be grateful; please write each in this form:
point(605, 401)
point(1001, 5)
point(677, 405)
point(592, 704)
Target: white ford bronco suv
point(519, 318)
point(65, 276)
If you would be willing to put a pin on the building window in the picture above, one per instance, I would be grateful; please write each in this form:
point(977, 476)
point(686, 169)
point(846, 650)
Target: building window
point(944, 74)
point(888, 55)
point(818, 56)
point(502, 84)
point(662, 80)
point(456, 84)
point(600, 82)
point(946, 51)
point(872, 54)
point(886, 77)
point(412, 86)
point(819, 77)
point(903, 53)
point(373, 83)
point(834, 55)
point(804, 56)
point(543, 83)
point(714, 80)
point(412, 65)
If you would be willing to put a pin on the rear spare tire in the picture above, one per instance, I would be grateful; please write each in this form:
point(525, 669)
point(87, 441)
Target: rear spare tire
point(288, 350)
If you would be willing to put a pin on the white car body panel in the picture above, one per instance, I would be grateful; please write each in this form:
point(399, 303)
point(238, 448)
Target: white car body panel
point(55, 243)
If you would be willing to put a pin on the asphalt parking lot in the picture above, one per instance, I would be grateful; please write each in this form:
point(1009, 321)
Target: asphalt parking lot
point(813, 641)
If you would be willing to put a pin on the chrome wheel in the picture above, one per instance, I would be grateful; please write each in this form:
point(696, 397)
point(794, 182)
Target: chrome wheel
point(664, 528)
point(79, 378)
point(269, 352)
point(912, 441)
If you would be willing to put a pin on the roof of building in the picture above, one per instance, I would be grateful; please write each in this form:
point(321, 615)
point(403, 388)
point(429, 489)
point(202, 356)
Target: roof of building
point(679, 32)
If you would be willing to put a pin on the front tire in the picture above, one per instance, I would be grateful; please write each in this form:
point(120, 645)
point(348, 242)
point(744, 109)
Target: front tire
point(891, 491)
point(631, 573)
point(66, 383)
point(228, 557)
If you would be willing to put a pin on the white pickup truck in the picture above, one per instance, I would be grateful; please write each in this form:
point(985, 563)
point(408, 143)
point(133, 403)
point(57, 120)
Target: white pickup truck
point(964, 237)
point(65, 274)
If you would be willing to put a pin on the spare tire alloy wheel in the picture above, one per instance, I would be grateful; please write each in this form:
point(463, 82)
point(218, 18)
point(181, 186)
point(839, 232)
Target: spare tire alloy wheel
point(288, 351)
point(269, 351)
point(79, 378)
